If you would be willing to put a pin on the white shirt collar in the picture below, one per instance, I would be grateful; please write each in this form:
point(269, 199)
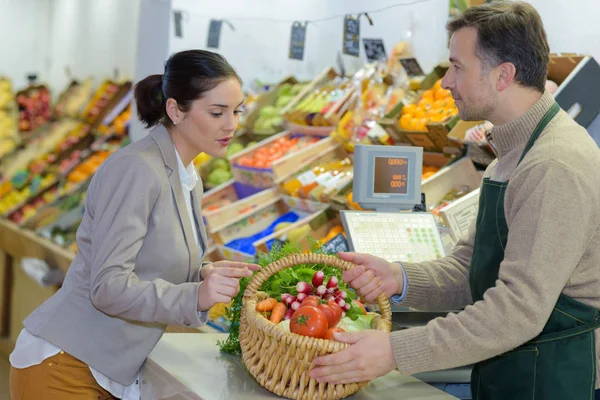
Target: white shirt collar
point(188, 176)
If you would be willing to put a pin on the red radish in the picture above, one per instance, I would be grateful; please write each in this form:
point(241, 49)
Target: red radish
point(288, 314)
point(318, 278)
point(295, 305)
point(332, 284)
point(289, 300)
point(303, 287)
point(321, 291)
point(346, 307)
point(284, 297)
point(301, 297)
point(341, 303)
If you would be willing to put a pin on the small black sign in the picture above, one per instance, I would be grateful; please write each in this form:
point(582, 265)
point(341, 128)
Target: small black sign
point(412, 67)
point(297, 40)
point(177, 23)
point(335, 245)
point(214, 33)
point(374, 49)
point(351, 45)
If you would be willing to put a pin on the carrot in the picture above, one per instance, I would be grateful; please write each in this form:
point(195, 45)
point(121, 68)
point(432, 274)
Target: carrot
point(278, 313)
point(266, 305)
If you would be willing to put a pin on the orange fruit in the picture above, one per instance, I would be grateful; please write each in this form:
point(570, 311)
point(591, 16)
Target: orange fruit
point(420, 113)
point(428, 94)
point(437, 85)
point(405, 121)
point(442, 94)
point(412, 126)
point(420, 125)
point(441, 103)
point(425, 103)
point(409, 109)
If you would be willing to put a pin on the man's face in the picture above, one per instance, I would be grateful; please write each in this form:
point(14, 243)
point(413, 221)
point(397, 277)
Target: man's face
point(473, 89)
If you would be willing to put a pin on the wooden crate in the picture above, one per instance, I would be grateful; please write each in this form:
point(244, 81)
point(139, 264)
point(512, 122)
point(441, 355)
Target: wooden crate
point(235, 207)
point(281, 168)
point(456, 175)
point(318, 224)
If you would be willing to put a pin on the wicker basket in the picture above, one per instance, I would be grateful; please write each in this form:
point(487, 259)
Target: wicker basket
point(281, 361)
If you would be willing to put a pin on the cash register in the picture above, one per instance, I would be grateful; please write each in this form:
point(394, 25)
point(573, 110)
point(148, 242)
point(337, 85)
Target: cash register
point(396, 227)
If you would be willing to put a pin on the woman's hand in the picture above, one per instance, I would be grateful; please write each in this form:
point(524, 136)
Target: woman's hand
point(220, 282)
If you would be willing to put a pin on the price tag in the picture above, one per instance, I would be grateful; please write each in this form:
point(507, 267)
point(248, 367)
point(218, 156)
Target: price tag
point(351, 44)
point(297, 40)
point(412, 67)
point(335, 245)
point(214, 33)
point(374, 49)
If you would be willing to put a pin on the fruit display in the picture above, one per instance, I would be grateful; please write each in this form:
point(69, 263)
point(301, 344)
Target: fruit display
point(216, 171)
point(305, 299)
point(118, 126)
point(452, 195)
point(321, 181)
point(7, 98)
point(16, 197)
point(263, 157)
point(101, 99)
point(9, 137)
point(71, 102)
point(34, 108)
point(87, 168)
point(435, 105)
point(313, 108)
point(270, 120)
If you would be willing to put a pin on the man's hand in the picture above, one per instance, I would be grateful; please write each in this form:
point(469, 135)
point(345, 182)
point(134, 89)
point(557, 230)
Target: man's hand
point(369, 356)
point(372, 276)
point(220, 282)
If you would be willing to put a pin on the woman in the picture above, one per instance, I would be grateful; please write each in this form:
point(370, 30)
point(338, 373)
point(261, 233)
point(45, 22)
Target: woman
point(141, 242)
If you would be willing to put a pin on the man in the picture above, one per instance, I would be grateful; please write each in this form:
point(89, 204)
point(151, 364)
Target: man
point(527, 277)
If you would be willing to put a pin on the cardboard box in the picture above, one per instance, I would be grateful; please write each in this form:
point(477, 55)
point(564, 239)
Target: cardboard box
point(281, 168)
point(249, 225)
point(578, 80)
point(316, 226)
point(232, 202)
point(458, 174)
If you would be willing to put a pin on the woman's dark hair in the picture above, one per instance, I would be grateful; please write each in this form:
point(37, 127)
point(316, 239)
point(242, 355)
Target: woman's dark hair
point(188, 74)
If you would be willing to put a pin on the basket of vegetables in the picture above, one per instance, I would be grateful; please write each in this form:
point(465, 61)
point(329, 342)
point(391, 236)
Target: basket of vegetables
point(290, 310)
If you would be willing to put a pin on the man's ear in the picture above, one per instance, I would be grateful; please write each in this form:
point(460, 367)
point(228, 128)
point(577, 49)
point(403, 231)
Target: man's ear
point(505, 75)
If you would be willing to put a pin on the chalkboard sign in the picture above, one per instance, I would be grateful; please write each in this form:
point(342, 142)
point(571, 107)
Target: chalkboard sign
point(338, 243)
point(214, 33)
point(412, 67)
point(177, 24)
point(351, 45)
point(297, 39)
point(374, 49)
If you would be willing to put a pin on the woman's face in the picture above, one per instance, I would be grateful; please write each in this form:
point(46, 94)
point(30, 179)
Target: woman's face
point(210, 123)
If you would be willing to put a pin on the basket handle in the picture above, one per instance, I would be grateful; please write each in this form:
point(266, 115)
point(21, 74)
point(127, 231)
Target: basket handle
point(297, 259)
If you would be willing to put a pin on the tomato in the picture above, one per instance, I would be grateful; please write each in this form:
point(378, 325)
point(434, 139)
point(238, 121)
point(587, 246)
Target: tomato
point(331, 331)
point(309, 321)
point(337, 311)
point(311, 301)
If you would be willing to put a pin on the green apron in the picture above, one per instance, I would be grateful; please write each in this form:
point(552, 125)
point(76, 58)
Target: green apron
point(558, 364)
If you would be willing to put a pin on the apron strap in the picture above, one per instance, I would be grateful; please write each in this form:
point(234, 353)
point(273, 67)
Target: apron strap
point(539, 129)
point(578, 330)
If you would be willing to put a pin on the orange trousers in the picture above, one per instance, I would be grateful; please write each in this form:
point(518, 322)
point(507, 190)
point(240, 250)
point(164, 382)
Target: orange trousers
point(60, 377)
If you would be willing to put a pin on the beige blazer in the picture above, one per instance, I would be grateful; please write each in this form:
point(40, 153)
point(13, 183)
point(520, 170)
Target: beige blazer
point(138, 265)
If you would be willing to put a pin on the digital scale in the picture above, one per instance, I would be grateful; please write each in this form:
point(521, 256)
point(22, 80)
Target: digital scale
point(387, 180)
